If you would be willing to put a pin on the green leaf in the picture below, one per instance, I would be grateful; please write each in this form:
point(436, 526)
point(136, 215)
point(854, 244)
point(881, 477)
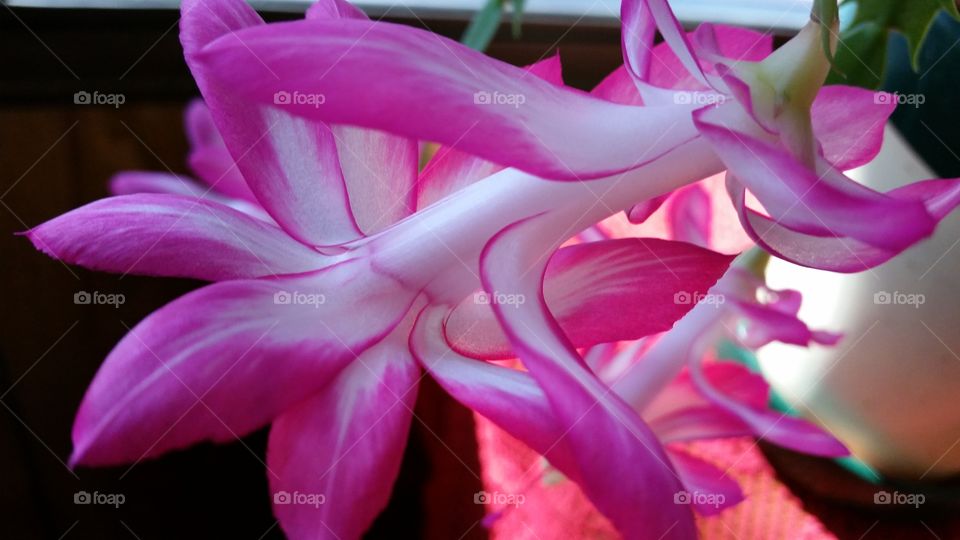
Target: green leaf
point(861, 56)
point(517, 18)
point(483, 26)
point(950, 6)
point(871, 25)
point(826, 12)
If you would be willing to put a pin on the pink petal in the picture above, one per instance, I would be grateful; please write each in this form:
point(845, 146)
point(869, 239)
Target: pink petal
point(171, 235)
point(332, 460)
point(289, 163)
point(635, 491)
point(638, 17)
point(638, 29)
point(764, 324)
point(451, 170)
point(225, 360)
point(334, 9)
point(824, 204)
point(599, 292)
point(134, 182)
point(778, 428)
point(618, 87)
point(549, 69)
point(641, 211)
point(216, 168)
point(431, 88)
point(209, 158)
point(709, 489)
point(199, 126)
point(508, 397)
point(680, 412)
point(659, 66)
point(848, 122)
point(839, 254)
point(732, 43)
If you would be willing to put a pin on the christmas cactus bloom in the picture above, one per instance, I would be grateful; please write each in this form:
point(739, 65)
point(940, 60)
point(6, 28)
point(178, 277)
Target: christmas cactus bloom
point(344, 263)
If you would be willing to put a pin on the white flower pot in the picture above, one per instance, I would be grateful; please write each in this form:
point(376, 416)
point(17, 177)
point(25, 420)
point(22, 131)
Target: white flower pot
point(891, 389)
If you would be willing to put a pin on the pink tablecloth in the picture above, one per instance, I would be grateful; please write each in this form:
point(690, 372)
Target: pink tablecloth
point(554, 508)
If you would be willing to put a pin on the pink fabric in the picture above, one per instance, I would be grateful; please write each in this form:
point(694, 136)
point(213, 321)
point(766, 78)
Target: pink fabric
point(555, 508)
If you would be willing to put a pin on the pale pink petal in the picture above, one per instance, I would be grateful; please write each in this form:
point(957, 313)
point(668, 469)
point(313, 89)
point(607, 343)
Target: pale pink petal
point(133, 182)
point(599, 292)
point(637, 30)
point(638, 17)
point(451, 170)
point(171, 235)
point(763, 324)
point(508, 397)
point(849, 122)
point(225, 360)
point(334, 9)
point(209, 157)
point(823, 202)
point(635, 491)
point(216, 168)
point(289, 163)
point(198, 124)
point(659, 67)
point(380, 171)
point(332, 459)
point(839, 254)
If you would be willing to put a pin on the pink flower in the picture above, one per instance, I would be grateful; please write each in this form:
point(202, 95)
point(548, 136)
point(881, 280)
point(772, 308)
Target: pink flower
point(345, 263)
